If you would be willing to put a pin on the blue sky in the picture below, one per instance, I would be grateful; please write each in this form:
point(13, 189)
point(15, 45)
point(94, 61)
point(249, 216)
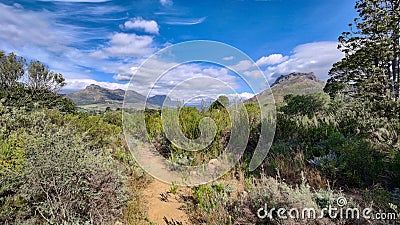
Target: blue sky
point(103, 42)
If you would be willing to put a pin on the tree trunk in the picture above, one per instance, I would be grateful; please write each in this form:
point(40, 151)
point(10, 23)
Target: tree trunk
point(395, 66)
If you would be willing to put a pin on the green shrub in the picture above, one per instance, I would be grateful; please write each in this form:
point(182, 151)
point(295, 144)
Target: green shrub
point(12, 156)
point(31, 99)
point(214, 204)
point(306, 105)
point(54, 174)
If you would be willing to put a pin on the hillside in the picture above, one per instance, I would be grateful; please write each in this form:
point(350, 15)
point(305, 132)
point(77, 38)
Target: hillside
point(161, 100)
point(94, 97)
point(293, 83)
point(94, 94)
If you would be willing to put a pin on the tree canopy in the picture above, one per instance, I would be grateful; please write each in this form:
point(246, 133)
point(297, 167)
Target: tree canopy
point(40, 77)
point(370, 67)
point(12, 69)
point(220, 103)
point(30, 85)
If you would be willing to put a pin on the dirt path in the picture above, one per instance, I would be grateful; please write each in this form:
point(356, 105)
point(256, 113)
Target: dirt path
point(161, 203)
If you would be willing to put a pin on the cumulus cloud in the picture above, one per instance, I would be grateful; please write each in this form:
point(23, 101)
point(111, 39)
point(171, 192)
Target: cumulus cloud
point(228, 58)
point(243, 65)
point(198, 100)
point(84, 1)
point(271, 59)
point(79, 84)
point(186, 81)
point(122, 76)
point(317, 57)
point(19, 28)
point(42, 35)
point(123, 44)
point(240, 96)
point(166, 2)
point(254, 73)
point(125, 74)
point(138, 23)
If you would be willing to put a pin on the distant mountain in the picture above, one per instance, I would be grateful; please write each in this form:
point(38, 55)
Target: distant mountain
point(95, 97)
point(161, 100)
point(94, 94)
point(293, 83)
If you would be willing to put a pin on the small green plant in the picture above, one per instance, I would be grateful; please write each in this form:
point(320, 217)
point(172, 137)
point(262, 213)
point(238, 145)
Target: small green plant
point(174, 188)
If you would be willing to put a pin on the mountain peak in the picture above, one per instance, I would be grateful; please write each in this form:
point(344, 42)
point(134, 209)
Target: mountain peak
point(95, 94)
point(293, 83)
point(296, 76)
point(93, 86)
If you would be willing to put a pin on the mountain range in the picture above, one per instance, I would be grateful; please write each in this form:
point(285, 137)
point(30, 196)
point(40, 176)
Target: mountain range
point(94, 97)
point(293, 83)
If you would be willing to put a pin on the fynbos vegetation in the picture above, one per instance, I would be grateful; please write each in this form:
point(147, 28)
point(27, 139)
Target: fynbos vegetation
point(61, 165)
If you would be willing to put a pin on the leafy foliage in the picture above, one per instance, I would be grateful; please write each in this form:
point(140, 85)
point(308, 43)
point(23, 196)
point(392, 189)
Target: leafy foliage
point(31, 99)
point(220, 103)
point(12, 68)
point(38, 92)
point(306, 105)
point(57, 169)
point(41, 78)
point(371, 65)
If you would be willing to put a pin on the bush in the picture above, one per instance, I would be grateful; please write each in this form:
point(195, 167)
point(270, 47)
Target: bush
point(220, 204)
point(31, 99)
point(305, 105)
point(55, 175)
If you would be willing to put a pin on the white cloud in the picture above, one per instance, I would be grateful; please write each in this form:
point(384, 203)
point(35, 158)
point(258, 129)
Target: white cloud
point(185, 21)
point(271, 59)
point(122, 76)
point(243, 65)
point(187, 80)
point(125, 74)
point(79, 84)
point(240, 96)
point(228, 58)
point(123, 44)
point(18, 6)
point(41, 35)
point(254, 73)
point(19, 28)
point(317, 57)
point(138, 23)
point(86, 1)
point(166, 2)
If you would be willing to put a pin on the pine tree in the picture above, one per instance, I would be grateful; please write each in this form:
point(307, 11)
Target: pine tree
point(12, 69)
point(370, 67)
point(40, 77)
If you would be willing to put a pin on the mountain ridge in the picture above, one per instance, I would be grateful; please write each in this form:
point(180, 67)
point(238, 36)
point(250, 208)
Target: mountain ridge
point(293, 83)
point(96, 97)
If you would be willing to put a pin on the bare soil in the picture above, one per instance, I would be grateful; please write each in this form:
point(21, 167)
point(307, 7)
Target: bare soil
point(163, 204)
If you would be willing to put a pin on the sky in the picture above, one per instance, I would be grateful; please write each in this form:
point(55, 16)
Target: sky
point(104, 42)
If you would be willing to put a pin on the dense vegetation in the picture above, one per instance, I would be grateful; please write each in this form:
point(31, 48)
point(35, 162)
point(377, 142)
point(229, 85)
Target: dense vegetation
point(321, 145)
point(58, 166)
point(61, 166)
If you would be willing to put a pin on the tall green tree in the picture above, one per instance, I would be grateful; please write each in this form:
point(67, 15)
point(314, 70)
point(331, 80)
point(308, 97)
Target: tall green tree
point(12, 69)
point(370, 67)
point(40, 77)
point(220, 103)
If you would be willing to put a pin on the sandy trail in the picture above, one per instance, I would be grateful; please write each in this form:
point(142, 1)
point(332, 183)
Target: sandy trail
point(161, 203)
